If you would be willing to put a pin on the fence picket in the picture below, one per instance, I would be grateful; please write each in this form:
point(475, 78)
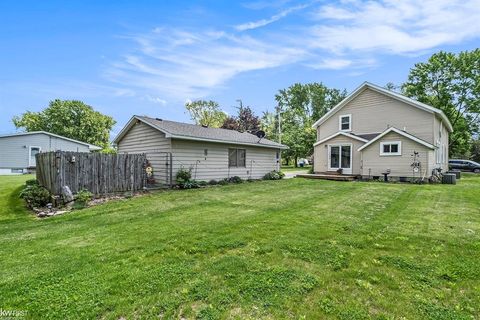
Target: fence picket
point(101, 174)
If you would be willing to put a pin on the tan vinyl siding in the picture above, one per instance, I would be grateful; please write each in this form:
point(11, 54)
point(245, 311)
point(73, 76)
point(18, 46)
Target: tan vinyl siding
point(440, 133)
point(320, 159)
point(373, 164)
point(373, 112)
point(142, 138)
point(190, 154)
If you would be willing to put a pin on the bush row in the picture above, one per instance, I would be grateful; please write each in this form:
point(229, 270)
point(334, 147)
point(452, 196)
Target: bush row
point(184, 179)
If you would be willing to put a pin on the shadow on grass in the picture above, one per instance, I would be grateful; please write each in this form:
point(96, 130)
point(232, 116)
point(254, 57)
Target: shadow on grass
point(15, 206)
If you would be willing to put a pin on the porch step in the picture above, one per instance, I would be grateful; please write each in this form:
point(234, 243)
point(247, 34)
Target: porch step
point(336, 177)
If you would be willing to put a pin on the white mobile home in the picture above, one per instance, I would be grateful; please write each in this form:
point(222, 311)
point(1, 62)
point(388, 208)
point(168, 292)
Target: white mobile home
point(18, 150)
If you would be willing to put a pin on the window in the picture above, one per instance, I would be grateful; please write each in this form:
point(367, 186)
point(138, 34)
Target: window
point(345, 122)
point(16, 170)
point(391, 148)
point(236, 157)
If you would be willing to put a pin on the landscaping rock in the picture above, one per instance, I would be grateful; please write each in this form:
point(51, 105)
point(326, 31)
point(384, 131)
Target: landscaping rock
point(67, 194)
point(41, 214)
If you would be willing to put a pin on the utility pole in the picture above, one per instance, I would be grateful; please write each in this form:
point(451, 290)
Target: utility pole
point(279, 125)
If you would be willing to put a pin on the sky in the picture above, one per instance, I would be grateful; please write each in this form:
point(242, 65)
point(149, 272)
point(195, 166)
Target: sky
point(150, 57)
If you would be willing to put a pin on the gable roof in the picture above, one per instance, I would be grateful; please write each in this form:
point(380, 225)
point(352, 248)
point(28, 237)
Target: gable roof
point(186, 131)
point(341, 133)
point(90, 146)
point(389, 93)
point(400, 132)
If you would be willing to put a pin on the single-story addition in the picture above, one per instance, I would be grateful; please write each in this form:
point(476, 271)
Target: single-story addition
point(18, 150)
point(211, 153)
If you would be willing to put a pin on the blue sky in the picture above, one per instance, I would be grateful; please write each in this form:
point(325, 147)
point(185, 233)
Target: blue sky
point(149, 57)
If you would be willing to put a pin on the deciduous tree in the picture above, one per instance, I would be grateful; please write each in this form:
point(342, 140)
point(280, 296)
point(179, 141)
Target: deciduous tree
point(206, 113)
point(300, 105)
point(451, 83)
point(69, 118)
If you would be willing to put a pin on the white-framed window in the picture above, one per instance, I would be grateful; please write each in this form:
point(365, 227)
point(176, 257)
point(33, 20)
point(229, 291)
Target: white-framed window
point(345, 122)
point(391, 148)
point(32, 152)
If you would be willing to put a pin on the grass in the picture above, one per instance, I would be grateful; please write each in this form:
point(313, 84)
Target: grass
point(295, 248)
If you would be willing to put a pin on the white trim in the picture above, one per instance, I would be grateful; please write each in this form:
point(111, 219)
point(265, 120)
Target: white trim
point(340, 145)
point(30, 155)
point(346, 134)
point(90, 146)
point(170, 135)
point(349, 116)
point(402, 133)
point(389, 93)
point(388, 154)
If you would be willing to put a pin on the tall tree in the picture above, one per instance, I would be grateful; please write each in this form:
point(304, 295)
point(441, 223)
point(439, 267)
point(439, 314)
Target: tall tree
point(451, 83)
point(269, 124)
point(300, 105)
point(475, 150)
point(69, 118)
point(245, 120)
point(206, 113)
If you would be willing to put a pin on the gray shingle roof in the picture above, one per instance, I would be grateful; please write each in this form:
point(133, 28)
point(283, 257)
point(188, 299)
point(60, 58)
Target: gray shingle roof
point(368, 136)
point(195, 132)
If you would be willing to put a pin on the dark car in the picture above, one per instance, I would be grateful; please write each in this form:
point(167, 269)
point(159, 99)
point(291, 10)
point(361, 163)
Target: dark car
point(464, 165)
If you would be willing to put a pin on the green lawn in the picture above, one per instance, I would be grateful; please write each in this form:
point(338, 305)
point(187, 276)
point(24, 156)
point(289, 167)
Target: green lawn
point(297, 249)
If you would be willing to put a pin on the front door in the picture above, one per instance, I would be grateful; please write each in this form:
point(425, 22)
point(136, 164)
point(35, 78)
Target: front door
point(340, 157)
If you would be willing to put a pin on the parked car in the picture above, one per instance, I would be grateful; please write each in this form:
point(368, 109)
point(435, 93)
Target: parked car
point(464, 165)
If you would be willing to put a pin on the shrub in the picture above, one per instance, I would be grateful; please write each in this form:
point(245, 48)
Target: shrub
point(223, 182)
point(31, 182)
point(235, 179)
point(35, 195)
point(82, 198)
point(202, 183)
point(184, 179)
point(310, 170)
point(192, 184)
point(212, 182)
point(274, 175)
point(183, 175)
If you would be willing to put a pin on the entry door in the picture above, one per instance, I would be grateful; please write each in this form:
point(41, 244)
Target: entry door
point(32, 161)
point(340, 157)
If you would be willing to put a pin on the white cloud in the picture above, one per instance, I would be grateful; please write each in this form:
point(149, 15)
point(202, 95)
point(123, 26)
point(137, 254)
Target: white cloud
point(395, 27)
point(263, 22)
point(157, 100)
point(349, 35)
point(186, 64)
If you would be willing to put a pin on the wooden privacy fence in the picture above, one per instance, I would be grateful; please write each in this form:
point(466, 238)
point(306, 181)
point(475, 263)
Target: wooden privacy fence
point(99, 173)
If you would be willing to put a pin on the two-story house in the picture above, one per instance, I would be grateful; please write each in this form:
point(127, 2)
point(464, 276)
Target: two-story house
point(375, 131)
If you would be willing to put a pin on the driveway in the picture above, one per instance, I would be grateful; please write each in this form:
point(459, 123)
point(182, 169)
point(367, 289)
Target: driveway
point(292, 174)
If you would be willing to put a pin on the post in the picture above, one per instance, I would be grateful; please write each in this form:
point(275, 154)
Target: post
point(279, 125)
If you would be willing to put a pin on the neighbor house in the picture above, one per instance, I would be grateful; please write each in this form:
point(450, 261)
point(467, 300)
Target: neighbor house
point(374, 131)
point(18, 150)
point(210, 153)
